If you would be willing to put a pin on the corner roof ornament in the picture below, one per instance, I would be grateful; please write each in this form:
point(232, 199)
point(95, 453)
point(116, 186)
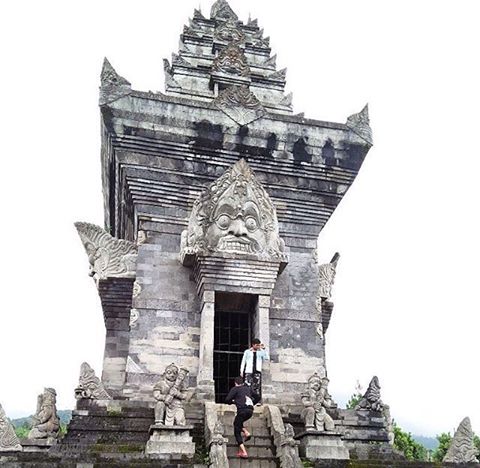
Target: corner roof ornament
point(360, 124)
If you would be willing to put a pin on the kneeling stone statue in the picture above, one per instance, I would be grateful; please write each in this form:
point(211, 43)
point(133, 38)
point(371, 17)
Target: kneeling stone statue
point(45, 422)
point(315, 401)
point(171, 392)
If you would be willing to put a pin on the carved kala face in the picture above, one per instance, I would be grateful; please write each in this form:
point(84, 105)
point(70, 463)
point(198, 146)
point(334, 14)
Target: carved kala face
point(236, 228)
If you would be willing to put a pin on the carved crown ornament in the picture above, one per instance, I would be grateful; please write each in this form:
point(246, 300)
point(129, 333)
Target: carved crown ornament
point(108, 257)
point(240, 104)
point(233, 215)
point(231, 61)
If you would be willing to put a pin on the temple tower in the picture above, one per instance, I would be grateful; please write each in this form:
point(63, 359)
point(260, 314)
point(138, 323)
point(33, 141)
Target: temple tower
point(223, 192)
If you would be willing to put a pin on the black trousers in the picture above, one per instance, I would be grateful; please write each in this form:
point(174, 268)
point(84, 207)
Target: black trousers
point(243, 414)
point(255, 381)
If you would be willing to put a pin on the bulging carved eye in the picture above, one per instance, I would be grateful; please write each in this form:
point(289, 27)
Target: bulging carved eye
point(223, 221)
point(251, 224)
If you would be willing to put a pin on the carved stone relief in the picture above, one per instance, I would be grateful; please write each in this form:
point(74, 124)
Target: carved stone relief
point(45, 421)
point(221, 10)
point(240, 104)
point(108, 257)
point(234, 215)
point(231, 61)
point(372, 398)
point(316, 400)
point(360, 124)
point(462, 448)
point(8, 439)
point(90, 386)
point(171, 393)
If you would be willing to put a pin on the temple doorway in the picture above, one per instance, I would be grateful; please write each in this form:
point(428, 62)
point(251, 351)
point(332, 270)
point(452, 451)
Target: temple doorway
point(232, 336)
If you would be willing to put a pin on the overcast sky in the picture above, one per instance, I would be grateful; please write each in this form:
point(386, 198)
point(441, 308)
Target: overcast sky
point(406, 295)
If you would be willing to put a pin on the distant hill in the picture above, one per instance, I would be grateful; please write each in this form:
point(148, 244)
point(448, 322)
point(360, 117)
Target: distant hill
point(430, 443)
point(64, 415)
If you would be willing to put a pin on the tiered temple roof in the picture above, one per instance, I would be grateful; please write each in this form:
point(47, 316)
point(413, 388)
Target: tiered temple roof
point(219, 52)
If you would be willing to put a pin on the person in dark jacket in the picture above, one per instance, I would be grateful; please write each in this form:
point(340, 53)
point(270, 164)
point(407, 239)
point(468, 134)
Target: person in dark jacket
point(245, 399)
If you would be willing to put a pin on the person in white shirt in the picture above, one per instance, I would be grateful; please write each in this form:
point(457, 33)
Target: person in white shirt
point(251, 366)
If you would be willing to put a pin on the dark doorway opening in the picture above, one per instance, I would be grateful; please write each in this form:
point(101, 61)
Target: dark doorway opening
point(232, 336)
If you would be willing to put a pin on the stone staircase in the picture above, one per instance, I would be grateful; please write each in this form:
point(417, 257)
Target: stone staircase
point(260, 447)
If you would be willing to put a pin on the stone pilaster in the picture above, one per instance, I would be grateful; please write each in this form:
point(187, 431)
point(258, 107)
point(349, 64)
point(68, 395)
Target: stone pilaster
point(116, 298)
point(261, 330)
point(206, 384)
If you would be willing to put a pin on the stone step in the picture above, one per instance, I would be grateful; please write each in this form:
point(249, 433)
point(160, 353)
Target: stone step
point(265, 441)
point(253, 463)
point(255, 431)
point(260, 452)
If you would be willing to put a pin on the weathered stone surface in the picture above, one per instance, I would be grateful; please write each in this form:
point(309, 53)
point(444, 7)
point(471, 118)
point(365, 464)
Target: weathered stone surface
point(171, 392)
point(108, 257)
point(360, 124)
point(8, 440)
point(45, 422)
point(90, 386)
point(316, 400)
point(170, 442)
point(234, 215)
point(283, 438)
point(322, 445)
point(218, 447)
point(462, 448)
point(372, 398)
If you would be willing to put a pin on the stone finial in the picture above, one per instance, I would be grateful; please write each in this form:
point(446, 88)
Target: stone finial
point(109, 257)
point(233, 215)
point(289, 457)
point(240, 104)
point(372, 399)
point(112, 85)
point(221, 10)
point(360, 124)
point(171, 393)
point(90, 387)
point(462, 448)
point(8, 439)
point(46, 423)
point(218, 447)
point(326, 277)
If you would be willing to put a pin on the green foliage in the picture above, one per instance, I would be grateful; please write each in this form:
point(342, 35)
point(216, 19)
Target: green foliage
point(307, 463)
point(407, 444)
point(354, 401)
point(23, 430)
point(444, 441)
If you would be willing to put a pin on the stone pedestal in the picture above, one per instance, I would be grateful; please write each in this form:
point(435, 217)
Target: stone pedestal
point(316, 445)
point(170, 442)
point(38, 445)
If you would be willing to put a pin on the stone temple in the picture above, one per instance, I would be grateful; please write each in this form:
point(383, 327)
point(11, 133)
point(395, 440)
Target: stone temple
point(215, 193)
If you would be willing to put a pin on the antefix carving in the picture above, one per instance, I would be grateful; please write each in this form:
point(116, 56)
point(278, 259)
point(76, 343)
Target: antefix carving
point(90, 387)
point(233, 215)
point(109, 257)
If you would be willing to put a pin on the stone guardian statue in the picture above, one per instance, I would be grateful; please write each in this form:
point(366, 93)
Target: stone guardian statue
point(46, 423)
point(171, 392)
point(316, 401)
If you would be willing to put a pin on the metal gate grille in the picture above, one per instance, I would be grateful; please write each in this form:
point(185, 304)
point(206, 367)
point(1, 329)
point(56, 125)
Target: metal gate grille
point(231, 338)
